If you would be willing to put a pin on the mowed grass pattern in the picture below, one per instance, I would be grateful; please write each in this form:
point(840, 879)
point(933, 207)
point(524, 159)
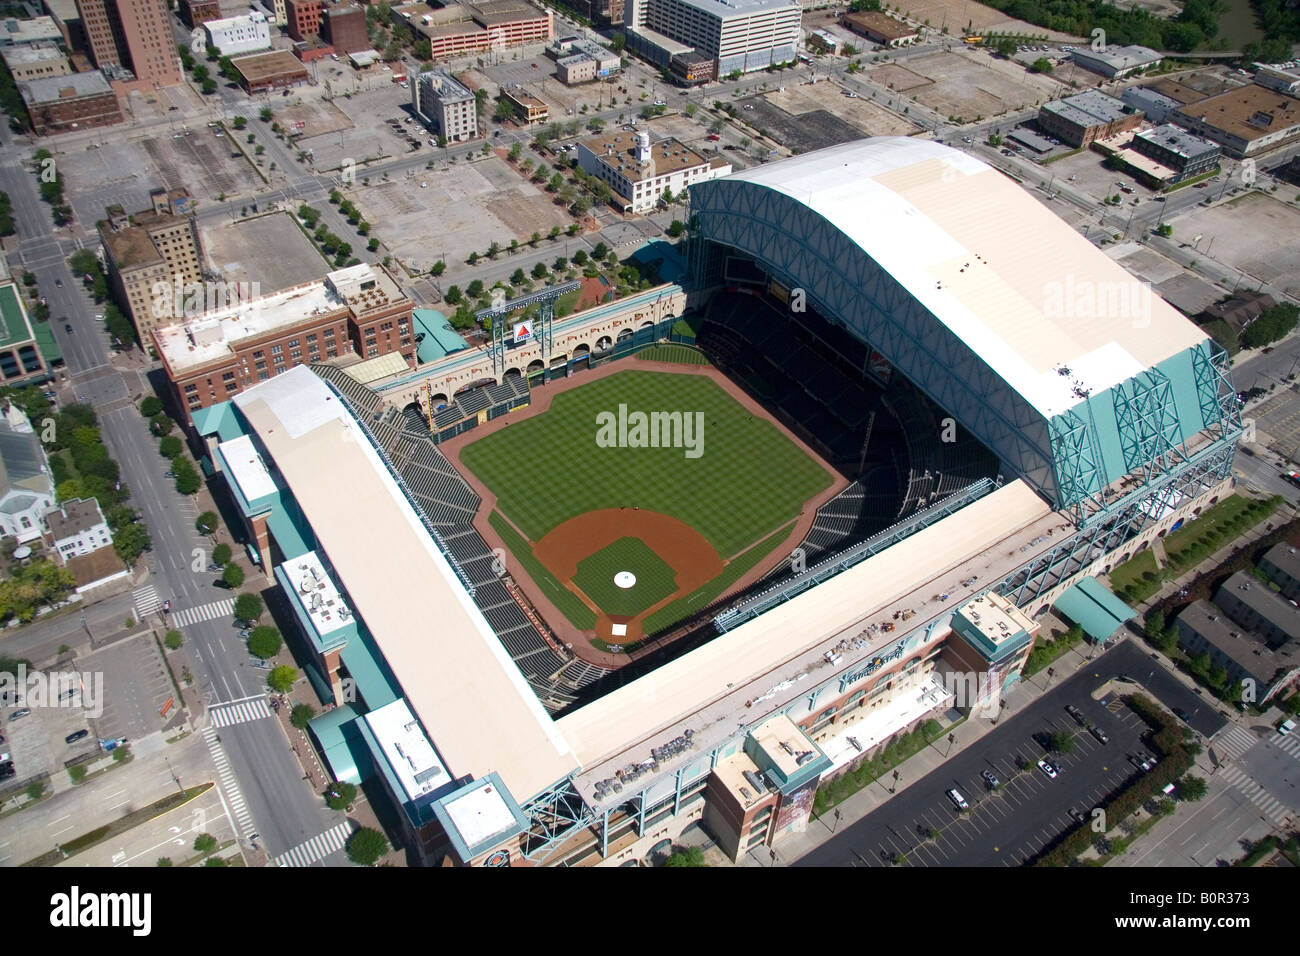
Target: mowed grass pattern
point(749, 480)
point(568, 603)
point(655, 580)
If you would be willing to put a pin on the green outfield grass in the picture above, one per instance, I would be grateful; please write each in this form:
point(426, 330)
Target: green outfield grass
point(568, 603)
point(655, 580)
point(748, 480)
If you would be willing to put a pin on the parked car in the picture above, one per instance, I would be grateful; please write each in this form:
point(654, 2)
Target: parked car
point(1099, 734)
point(67, 327)
point(990, 779)
point(1048, 768)
point(1076, 713)
point(58, 283)
point(1076, 815)
point(19, 713)
point(1283, 728)
point(72, 738)
point(1140, 762)
point(957, 799)
point(714, 137)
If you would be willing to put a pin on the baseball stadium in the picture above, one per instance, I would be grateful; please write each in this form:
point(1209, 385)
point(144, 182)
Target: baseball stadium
point(675, 561)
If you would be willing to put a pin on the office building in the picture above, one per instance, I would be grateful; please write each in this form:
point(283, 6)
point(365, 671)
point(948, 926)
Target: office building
point(639, 172)
point(460, 28)
point(447, 106)
point(157, 246)
point(744, 35)
point(1087, 116)
point(59, 104)
point(233, 36)
point(1246, 121)
point(33, 61)
point(345, 28)
point(132, 41)
point(1185, 156)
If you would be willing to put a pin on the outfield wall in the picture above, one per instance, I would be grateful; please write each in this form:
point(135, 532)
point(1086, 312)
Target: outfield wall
point(575, 336)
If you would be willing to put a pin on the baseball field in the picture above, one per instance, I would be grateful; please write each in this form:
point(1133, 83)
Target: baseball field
point(639, 498)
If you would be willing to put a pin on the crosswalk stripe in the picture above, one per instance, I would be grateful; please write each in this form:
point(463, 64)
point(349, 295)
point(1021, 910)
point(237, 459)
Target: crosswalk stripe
point(229, 784)
point(146, 600)
point(239, 713)
point(318, 847)
point(204, 612)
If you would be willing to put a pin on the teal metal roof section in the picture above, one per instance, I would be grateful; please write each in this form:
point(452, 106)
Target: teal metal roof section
point(375, 683)
point(672, 265)
point(440, 339)
point(1094, 608)
point(46, 343)
point(219, 420)
point(343, 745)
point(15, 326)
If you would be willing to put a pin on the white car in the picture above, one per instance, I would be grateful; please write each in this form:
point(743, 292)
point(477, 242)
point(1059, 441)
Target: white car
point(957, 799)
point(1048, 768)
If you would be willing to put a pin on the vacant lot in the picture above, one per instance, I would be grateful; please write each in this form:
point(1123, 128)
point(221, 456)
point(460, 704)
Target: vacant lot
point(966, 84)
point(814, 115)
point(202, 162)
point(463, 208)
point(1255, 233)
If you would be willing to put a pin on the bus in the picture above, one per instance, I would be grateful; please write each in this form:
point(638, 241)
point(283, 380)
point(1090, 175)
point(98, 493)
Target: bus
point(974, 40)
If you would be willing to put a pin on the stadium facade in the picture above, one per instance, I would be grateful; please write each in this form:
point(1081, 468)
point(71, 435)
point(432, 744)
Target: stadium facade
point(1111, 418)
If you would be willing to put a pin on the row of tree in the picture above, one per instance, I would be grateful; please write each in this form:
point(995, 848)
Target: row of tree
point(1195, 24)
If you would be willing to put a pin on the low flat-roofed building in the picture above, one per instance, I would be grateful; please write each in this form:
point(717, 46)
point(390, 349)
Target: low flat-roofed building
point(1256, 607)
point(639, 171)
point(824, 41)
point(233, 36)
point(458, 28)
point(1156, 106)
point(278, 70)
point(1084, 117)
point(31, 30)
point(693, 67)
point(1246, 121)
point(1282, 565)
point(58, 104)
point(358, 310)
point(879, 27)
point(1279, 78)
point(528, 108)
point(22, 354)
point(32, 61)
point(1205, 628)
point(1116, 62)
point(1184, 155)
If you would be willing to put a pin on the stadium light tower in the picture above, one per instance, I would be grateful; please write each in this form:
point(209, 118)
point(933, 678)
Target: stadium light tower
point(544, 299)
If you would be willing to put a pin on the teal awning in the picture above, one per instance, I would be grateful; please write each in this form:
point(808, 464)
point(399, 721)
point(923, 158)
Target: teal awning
point(342, 745)
point(1094, 608)
point(440, 339)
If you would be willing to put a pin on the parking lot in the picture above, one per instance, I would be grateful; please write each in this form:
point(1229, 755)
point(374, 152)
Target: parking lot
point(36, 742)
point(357, 127)
point(808, 116)
point(136, 686)
point(115, 173)
point(270, 250)
point(965, 84)
point(202, 162)
point(1029, 810)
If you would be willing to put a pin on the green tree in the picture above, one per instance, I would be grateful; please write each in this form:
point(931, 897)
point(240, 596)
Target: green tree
point(452, 294)
point(686, 856)
point(130, 541)
point(164, 861)
point(170, 446)
point(1041, 65)
point(151, 406)
point(221, 553)
point(282, 678)
point(676, 228)
point(339, 795)
point(474, 289)
point(265, 114)
point(1191, 788)
point(232, 576)
point(161, 424)
point(539, 271)
point(1061, 741)
point(301, 715)
point(205, 843)
point(173, 640)
point(517, 277)
point(264, 642)
point(516, 150)
point(207, 522)
point(366, 847)
point(248, 606)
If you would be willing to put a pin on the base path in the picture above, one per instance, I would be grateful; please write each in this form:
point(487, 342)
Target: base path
point(579, 642)
point(682, 548)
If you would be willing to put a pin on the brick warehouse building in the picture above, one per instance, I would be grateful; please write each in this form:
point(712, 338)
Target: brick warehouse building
point(57, 104)
point(344, 27)
point(355, 311)
point(304, 18)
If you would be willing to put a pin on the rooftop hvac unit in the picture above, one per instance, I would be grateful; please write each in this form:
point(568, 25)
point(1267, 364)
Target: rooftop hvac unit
point(755, 780)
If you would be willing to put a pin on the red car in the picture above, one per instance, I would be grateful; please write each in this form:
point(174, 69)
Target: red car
point(714, 137)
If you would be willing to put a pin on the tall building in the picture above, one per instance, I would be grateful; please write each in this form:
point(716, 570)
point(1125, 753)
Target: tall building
point(360, 310)
point(345, 28)
point(304, 18)
point(446, 106)
point(132, 41)
point(743, 35)
point(160, 245)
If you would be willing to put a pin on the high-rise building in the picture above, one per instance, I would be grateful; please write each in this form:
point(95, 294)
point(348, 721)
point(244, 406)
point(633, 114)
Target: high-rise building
point(744, 35)
point(132, 41)
point(160, 245)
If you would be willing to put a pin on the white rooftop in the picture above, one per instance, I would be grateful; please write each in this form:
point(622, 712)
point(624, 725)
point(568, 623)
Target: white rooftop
point(479, 814)
point(408, 750)
point(247, 468)
point(1009, 278)
point(452, 668)
point(317, 593)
